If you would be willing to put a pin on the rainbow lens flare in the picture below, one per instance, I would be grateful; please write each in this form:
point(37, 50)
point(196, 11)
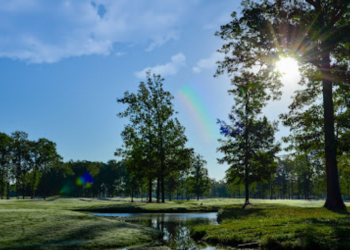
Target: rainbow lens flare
point(85, 181)
point(196, 105)
point(65, 190)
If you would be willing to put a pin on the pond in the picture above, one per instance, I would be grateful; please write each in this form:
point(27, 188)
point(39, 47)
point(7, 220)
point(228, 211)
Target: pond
point(175, 226)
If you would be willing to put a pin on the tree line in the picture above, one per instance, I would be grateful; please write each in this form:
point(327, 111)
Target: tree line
point(25, 164)
point(35, 169)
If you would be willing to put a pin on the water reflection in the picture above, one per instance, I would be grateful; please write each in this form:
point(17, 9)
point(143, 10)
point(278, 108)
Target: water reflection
point(176, 227)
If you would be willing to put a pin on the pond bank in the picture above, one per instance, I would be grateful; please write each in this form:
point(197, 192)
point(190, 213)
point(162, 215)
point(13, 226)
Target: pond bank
point(135, 209)
point(167, 207)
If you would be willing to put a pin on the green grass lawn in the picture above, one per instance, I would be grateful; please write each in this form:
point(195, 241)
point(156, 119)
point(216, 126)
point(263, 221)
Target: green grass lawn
point(124, 205)
point(58, 223)
point(32, 224)
point(277, 226)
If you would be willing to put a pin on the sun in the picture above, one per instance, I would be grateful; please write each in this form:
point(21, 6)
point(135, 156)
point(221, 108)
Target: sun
point(288, 67)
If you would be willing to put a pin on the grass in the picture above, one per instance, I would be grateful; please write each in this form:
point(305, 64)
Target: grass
point(50, 225)
point(274, 224)
point(277, 226)
point(115, 205)
point(119, 205)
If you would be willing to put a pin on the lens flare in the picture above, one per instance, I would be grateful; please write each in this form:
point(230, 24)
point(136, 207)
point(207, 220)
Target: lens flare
point(65, 190)
point(88, 178)
point(80, 181)
point(84, 181)
point(197, 107)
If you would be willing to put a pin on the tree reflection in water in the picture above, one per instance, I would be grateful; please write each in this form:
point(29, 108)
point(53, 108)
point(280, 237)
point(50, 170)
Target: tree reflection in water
point(176, 227)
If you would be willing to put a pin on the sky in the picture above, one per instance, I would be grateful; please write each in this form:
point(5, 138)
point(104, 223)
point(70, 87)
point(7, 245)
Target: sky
point(64, 63)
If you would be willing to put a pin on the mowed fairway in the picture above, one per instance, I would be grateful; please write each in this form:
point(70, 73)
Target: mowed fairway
point(55, 223)
point(27, 224)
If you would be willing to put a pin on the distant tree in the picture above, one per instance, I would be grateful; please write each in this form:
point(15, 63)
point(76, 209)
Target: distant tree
point(34, 154)
point(344, 170)
point(5, 163)
point(284, 175)
point(172, 183)
point(46, 159)
point(199, 181)
point(58, 180)
point(109, 178)
point(20, 156)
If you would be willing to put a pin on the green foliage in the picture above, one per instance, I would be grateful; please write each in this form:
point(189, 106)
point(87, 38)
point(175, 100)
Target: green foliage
point(199, 181)
point(249, 147)
point(154, 141)
point(5, 166)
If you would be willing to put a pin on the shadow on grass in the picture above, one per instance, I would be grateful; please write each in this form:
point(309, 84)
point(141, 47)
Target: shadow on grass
point(51, 199)
point(142, 207)
point(237, 213)
point(318, 233)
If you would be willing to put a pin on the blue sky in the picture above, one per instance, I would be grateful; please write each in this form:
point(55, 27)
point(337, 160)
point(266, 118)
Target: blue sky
point(64, 63)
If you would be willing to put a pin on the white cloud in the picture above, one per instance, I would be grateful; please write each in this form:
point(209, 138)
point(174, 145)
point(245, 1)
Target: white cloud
point(171, 68)
point(208, 63)
point(41, 31)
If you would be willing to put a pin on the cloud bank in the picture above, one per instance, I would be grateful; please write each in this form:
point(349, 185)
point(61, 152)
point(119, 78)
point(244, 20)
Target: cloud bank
point(41, 31)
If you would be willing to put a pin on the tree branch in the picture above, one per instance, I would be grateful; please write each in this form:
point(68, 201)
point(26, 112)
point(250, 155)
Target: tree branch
point(311, 2)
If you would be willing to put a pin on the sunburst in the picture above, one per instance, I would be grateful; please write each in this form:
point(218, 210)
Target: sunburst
point(288, 67)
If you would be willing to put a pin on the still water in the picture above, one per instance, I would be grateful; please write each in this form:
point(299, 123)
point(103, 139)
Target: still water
point(175, 226)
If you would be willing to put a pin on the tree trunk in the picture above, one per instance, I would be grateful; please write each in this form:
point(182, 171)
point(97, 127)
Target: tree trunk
point(163, 191)
point(334, 199)
point(17, 187)
point(162, 165)
point(246, 179)
point(158, 189)
point(23, 187)
point(33, 183)
point(44, 187)
point(8, 190)
point(150, 191)
point(132, 195)
point(2, 189)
